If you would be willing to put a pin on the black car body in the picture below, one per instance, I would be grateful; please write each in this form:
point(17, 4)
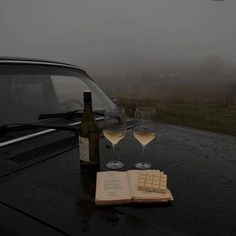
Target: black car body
point(43, 190)
point(31, 89)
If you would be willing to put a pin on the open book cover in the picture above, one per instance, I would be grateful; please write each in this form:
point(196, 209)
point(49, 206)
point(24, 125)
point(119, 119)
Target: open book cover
point(120, 187)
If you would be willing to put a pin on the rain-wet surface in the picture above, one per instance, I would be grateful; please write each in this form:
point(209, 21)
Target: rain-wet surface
point(201, 168)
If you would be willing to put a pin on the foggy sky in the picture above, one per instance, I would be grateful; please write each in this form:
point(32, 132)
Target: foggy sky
point(111, 34)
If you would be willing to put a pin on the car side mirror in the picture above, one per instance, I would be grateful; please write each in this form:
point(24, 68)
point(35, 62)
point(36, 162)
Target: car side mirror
point(115, 100)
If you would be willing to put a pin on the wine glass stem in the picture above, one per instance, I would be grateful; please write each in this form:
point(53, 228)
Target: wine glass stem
point(143, 146)
point(114, 152)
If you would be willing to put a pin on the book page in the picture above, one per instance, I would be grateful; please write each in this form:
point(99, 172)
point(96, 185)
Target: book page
point(139, 195)
point(112, 186)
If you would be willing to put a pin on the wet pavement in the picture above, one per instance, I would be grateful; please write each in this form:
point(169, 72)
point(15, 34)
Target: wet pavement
point(201, 169)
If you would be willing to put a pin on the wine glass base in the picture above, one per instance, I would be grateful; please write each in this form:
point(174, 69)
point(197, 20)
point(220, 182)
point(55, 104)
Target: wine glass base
point(143, 165)
point(114, 165)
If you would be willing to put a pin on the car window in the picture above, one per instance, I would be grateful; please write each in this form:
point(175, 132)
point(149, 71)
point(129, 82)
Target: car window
point(23, 92)
point(27, 91)
point(69, 91)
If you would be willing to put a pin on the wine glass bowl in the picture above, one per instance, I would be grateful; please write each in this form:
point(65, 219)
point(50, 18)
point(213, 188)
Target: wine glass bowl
point(144, 130)
point(114, 129)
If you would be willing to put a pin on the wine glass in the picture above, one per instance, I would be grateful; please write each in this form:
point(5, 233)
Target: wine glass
point(114, 129)
point(144, 130)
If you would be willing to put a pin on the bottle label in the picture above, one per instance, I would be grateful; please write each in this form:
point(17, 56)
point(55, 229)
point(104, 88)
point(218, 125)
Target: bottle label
point(84, 148)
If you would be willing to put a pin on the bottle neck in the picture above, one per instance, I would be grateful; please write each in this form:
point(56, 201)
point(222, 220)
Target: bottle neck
point(88, 113)
point(88, 108)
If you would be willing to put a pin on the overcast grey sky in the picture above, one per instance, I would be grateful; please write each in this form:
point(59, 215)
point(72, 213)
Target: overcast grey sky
point(110, 33)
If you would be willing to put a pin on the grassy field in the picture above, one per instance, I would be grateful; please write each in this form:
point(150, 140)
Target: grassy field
point(208, 116)
point(202, 103)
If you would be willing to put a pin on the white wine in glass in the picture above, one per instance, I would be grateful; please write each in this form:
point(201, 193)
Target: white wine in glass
point(114, 136)
point(144, 130)
point(144, 137)
point(114, 129)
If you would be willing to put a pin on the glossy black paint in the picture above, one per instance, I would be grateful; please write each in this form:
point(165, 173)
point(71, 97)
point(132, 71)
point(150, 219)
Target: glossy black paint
point(201, 168)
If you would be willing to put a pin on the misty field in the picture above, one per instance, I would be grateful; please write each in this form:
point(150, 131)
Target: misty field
point(217, 118)
point(212, 108)
point(202, 96)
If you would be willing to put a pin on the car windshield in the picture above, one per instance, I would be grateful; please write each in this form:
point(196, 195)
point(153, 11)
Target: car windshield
point(26, 91)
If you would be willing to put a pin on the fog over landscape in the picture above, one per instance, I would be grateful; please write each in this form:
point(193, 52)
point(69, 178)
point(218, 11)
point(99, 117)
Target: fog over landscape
point(119, 36)
point(168, 51)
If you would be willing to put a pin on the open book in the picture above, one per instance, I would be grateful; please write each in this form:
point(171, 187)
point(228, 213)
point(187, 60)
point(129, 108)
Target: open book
point(119, 187)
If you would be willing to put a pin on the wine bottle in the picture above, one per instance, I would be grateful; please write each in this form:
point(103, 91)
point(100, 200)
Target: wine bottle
point(88, 135)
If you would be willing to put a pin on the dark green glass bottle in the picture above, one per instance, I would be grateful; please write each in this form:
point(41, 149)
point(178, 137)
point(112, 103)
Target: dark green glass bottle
point(88, 135)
